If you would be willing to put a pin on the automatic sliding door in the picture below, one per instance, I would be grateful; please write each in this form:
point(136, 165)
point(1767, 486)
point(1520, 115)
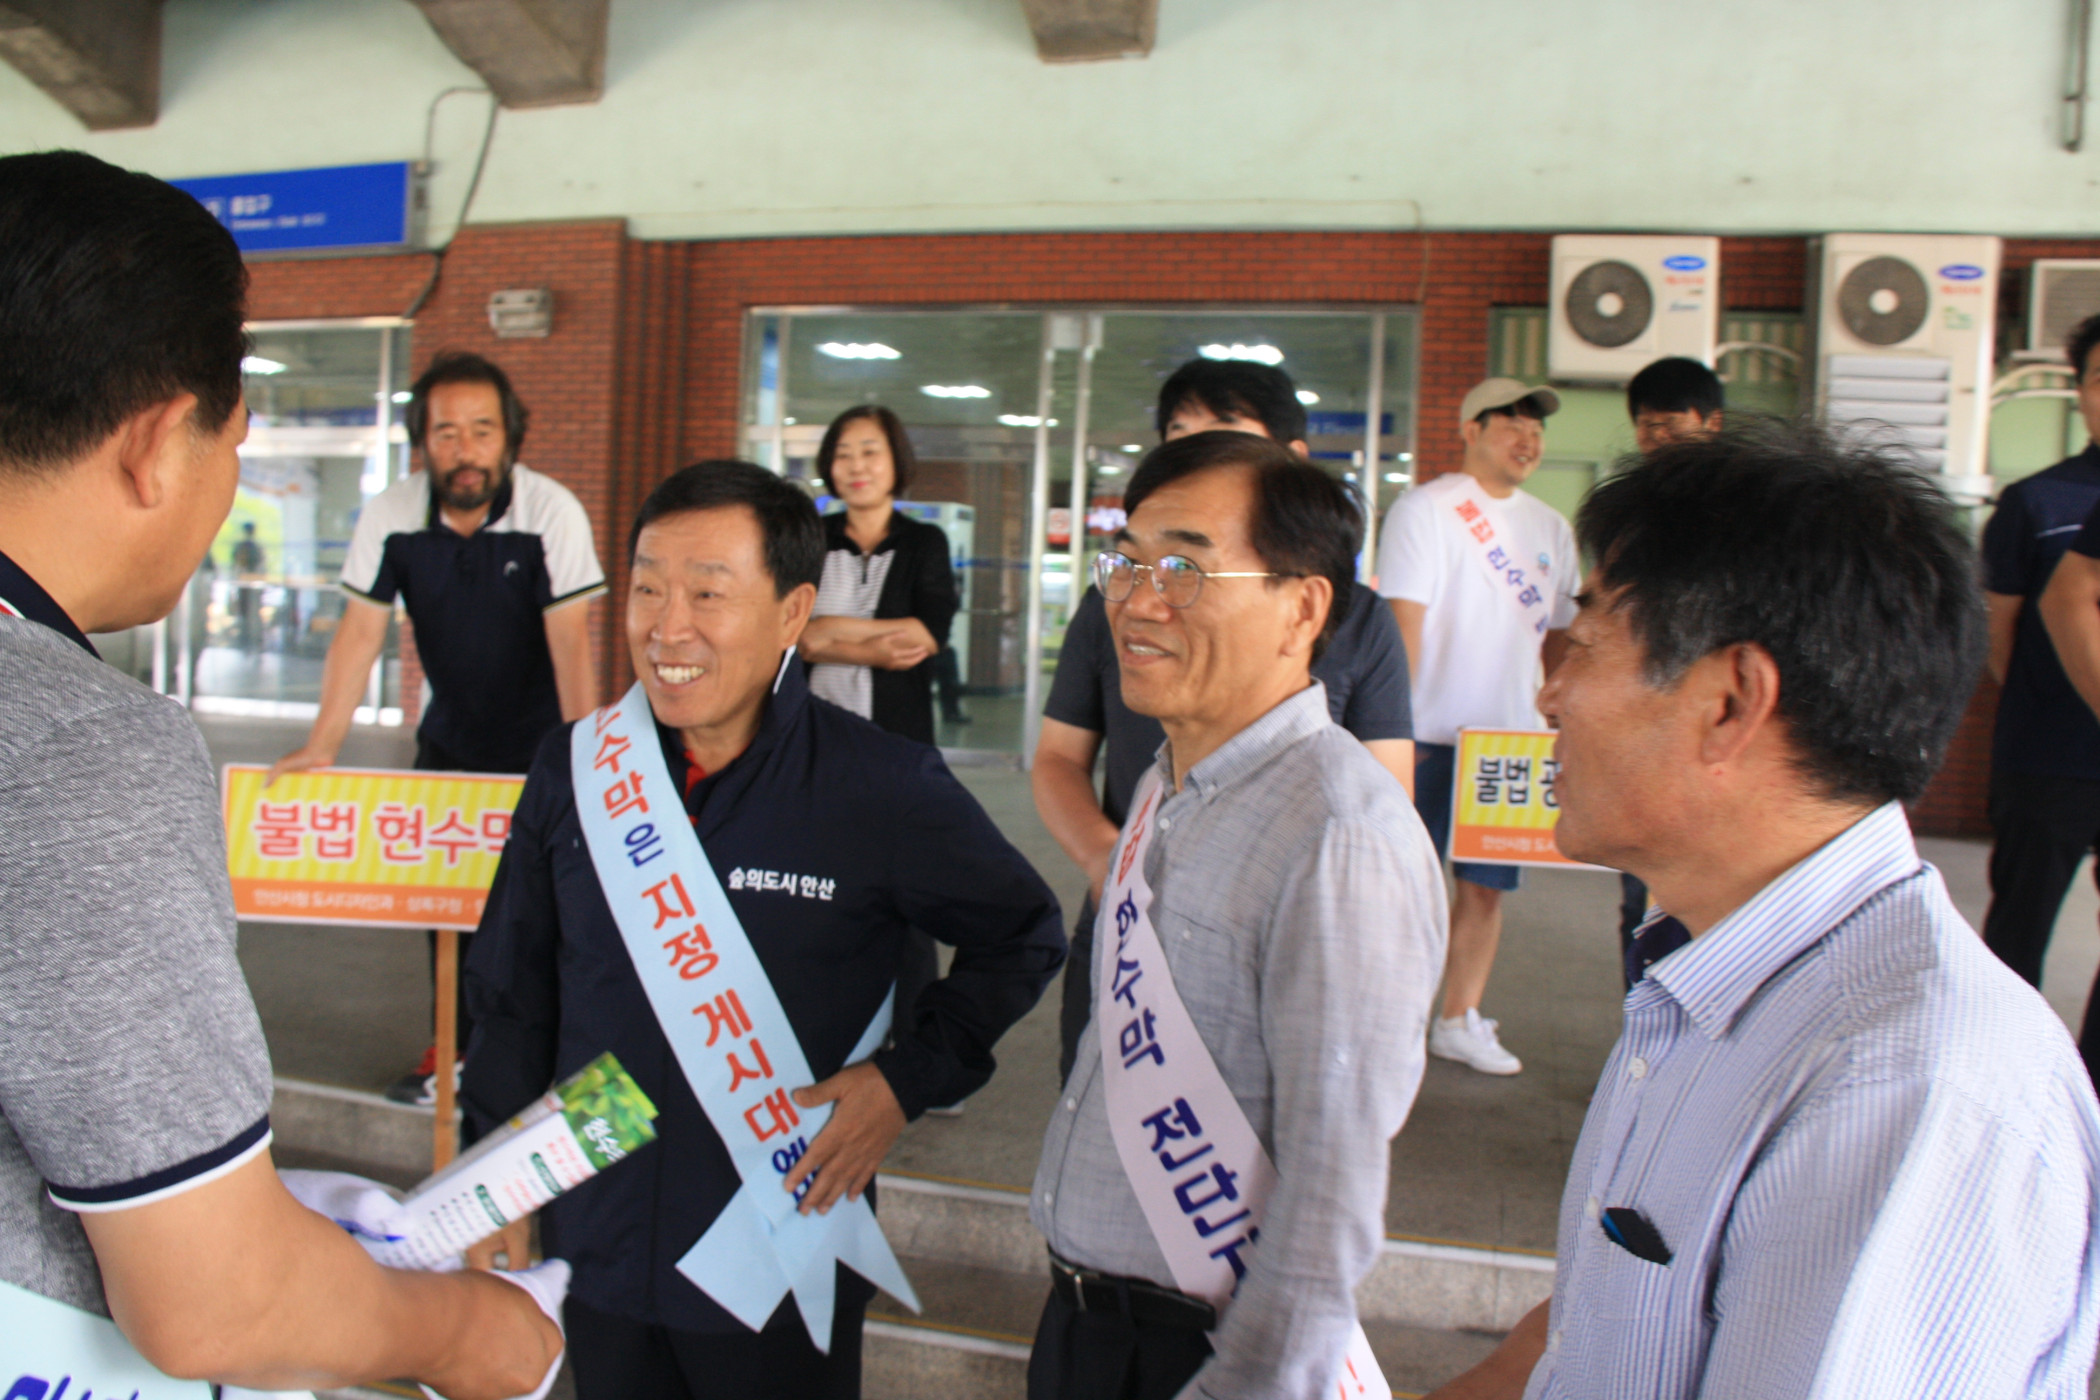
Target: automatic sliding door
point(324, 437)
point(966, 386)
point(991, 398)
point(1341, 362)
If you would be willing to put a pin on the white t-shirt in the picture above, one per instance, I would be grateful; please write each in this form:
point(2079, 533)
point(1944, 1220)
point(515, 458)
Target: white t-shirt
point(1495, 576)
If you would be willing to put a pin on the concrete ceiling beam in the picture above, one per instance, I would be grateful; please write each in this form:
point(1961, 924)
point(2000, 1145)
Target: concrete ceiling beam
point(99, 59)
point(531, 53)
point(1076, 31)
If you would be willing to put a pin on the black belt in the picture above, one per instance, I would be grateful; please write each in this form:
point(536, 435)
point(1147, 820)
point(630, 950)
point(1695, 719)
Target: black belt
point(1135, 1300)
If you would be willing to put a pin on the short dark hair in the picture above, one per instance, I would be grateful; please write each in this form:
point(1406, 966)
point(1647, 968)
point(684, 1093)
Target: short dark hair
point(902, 458)
point(1838, 557)
point(117, 292)
point(1305, 524)
point(787, 517)
point(1236, 388)
point(2079, 347)
point(465, 367)
point(1674, 385)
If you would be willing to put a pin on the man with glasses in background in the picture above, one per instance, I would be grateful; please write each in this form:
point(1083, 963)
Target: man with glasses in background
point(1272, 933)
point(1363, 667)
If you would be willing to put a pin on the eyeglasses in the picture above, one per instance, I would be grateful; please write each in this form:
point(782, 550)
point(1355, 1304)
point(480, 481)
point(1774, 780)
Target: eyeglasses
point(1176, 579)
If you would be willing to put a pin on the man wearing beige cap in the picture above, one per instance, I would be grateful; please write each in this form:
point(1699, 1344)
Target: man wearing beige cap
point(1482, 580)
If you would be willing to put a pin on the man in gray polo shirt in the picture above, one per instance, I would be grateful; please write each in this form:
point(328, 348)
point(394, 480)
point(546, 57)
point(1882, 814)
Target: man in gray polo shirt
point(1296, 933)
point(135, 1173)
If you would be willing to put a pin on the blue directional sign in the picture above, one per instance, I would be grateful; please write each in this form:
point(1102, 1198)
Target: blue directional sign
point(337, 206)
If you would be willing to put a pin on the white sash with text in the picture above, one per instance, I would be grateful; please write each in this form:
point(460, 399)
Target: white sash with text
point(50, 1349)
point(727, 1029)
point(1199, 1171)
point(1530, 597)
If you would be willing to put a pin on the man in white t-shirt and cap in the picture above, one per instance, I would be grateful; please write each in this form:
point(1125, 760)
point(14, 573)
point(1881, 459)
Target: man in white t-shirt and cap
point(1481, 578)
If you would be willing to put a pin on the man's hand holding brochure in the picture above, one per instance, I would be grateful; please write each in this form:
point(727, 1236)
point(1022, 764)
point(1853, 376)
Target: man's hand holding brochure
point(589, 1121)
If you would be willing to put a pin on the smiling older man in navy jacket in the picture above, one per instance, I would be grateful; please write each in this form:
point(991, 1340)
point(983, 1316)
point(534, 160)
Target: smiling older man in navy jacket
point(757, 958)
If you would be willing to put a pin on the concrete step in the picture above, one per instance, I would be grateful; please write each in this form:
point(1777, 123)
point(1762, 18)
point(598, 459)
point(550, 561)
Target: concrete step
point(387, 1140)
point(1431, 1307)
point(1436, 1284)
point(973, 1338)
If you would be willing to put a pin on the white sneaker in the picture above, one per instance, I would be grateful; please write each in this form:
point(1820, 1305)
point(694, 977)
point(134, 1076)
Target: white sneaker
point(1470, 1039)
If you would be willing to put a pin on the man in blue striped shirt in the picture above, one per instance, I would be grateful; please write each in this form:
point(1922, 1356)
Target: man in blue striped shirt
point(1839, 1149)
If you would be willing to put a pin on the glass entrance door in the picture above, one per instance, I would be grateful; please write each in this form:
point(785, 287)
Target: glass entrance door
point(1026, 424)
point(325, 435)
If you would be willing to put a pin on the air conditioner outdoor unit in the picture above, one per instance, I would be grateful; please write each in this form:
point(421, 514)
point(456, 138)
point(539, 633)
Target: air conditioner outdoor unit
point(2061, 292)
point(1903, 344)
point(1621, 301)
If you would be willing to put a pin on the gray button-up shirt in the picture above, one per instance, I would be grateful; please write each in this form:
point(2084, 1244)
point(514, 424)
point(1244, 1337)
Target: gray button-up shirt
point(1301, 908)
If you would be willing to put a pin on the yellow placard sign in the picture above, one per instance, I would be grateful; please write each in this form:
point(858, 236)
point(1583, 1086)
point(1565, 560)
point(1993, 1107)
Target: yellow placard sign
point(1503, 808)
point(365, 845)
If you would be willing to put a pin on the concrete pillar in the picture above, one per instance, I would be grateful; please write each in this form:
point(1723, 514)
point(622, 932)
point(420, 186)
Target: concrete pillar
point(1073, 31)
point(531, 53)
point(99, 59)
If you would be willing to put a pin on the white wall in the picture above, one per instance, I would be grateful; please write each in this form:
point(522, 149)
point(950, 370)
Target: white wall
point(744, 117)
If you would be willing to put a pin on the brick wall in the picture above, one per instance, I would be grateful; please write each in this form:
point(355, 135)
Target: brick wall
point(642, 371)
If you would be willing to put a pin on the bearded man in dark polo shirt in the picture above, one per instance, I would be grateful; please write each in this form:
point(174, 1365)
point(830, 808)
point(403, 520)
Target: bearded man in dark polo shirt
point(135, 1173)
point(494, 562)
point(713, 878)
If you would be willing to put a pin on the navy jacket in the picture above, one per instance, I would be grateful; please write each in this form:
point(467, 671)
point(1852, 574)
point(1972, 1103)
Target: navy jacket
point(878, 837)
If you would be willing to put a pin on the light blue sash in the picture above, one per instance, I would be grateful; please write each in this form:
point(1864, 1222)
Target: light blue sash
point(54, 1351)
point(725, 1024)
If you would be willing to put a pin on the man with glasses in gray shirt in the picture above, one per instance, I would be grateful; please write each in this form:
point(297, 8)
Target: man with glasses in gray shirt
point(1213, 1181)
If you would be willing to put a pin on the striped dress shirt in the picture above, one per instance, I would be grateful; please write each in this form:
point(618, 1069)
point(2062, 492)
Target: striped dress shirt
point(1869, 1149)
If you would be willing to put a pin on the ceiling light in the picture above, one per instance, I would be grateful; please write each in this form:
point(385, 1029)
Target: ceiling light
point(403, 396)
point(854, 350)
point(1133, 447)
point(256, 364)
point(955, 391)
point(1111, 471)
point(1308, 397)
point(1394, 476)
point(1023, 420)
point(1404, 457)
point(1260, 354)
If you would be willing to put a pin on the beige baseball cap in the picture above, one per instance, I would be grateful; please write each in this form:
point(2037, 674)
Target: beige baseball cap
point(1501, 393)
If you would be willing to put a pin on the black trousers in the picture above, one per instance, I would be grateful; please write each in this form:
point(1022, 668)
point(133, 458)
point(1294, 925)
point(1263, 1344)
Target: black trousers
point(1633, 907)
point(1099, 1356)
point(1077, 1008)
point(616, 1358)
point(2043, 828)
